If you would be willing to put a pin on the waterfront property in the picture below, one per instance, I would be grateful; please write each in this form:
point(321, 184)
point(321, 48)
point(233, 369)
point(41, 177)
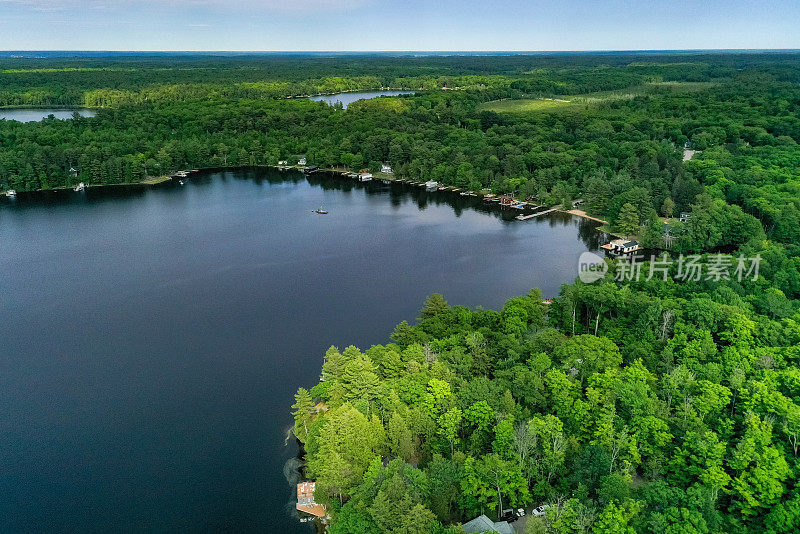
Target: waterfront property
point(622, 246)
point(306, 502)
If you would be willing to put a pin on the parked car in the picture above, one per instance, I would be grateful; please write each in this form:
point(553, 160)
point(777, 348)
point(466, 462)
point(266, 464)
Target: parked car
point(540, 510)
point(512, 515)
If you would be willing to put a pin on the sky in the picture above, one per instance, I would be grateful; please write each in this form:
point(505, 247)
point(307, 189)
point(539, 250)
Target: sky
point(423, 25)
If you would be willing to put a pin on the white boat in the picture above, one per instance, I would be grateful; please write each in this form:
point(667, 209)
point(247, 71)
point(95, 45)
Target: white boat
point(11, 193)
point(430, 185)
point(181, 182)
point(80, 187)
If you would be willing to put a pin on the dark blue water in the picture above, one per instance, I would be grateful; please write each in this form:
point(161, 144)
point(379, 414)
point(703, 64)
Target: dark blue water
point(349, 98)
point(152, 339)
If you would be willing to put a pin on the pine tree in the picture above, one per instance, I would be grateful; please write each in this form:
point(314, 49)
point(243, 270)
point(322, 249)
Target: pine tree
point(303, 412)
point(628, 220)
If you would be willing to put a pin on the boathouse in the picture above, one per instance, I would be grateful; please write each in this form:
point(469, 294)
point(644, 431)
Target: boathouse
point(305, 500)
point(622, 246)
point(506, 200)
point(365, 176)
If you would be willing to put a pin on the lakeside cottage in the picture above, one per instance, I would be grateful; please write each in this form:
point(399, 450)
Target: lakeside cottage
point(386, 168)
point(622, 246)
point(365, 176)
point(302, 161)
point(305, 500)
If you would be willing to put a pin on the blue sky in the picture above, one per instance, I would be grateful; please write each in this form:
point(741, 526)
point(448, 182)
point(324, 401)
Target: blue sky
point(397, 25)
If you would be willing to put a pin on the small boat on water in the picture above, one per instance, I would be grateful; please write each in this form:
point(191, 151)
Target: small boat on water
point(321, 211)
point(431, 185)
point(181, 182)
point(11, 193)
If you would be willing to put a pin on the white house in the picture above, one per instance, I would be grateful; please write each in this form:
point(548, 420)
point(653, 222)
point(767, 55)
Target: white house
point(386, 168)
point(364, 176)
point(622, 246)
point(302, 161)
point(685, 216)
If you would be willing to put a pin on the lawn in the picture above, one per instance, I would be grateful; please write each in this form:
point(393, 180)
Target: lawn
point(525, 105)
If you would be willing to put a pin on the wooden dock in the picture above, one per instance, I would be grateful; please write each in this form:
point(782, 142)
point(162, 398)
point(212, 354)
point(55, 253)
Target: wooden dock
point(532, 215)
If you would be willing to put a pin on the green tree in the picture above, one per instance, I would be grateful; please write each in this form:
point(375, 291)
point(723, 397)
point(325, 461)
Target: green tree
point(303, 410)
point(628, 219)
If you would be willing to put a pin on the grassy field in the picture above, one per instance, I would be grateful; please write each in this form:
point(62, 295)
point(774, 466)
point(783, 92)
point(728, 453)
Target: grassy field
point(525, 105)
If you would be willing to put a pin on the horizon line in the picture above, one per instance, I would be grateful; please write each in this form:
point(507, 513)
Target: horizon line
point(398, 51)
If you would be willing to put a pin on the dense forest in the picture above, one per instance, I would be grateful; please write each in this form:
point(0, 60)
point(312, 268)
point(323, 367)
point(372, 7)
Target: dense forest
point(617, 143)
point(664, 405)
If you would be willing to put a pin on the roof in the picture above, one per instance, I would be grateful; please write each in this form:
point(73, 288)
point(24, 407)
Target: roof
point(484, 524)
point(305, 500)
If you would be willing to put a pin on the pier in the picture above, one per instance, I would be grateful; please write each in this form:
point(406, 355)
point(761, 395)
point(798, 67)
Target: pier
point(532, 215)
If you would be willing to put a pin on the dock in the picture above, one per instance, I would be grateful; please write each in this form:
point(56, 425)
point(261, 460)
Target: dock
point(532, 215)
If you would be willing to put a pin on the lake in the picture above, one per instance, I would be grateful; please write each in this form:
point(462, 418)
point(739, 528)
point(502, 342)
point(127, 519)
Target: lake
point(35, 115)
point(349, 98)
point(153, 338)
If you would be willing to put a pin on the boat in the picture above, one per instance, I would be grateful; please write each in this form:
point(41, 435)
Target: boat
point(11, 193)
point(310, 169)
point(430, 185)
point(80, 187)
point(321, 211)
point(442, 188)
point(181, 182)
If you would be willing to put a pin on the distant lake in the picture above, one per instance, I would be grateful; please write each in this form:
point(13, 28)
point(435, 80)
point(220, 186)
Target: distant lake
point(349, 98)
point(153, 338)
point(35, 115)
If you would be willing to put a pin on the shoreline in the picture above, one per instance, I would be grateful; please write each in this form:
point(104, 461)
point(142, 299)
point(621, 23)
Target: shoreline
point(340, 172)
